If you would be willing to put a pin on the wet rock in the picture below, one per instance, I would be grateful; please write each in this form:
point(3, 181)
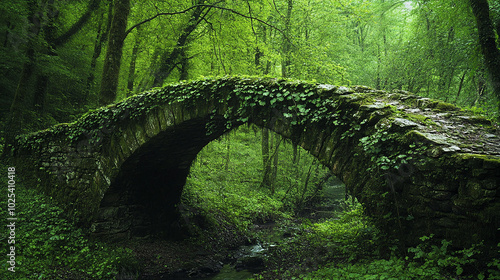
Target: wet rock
point(251, 259)
point(375, 106)
point(344, 90)
point(451, 149)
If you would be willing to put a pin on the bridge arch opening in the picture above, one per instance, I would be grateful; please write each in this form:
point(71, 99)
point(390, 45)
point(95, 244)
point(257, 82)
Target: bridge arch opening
point(145, 197)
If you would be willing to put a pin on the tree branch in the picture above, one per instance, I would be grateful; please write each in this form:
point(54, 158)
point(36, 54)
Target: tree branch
point(61, 40)
point(206, 6)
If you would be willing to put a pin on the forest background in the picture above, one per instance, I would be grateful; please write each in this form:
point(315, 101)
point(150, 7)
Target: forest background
point(61, 58)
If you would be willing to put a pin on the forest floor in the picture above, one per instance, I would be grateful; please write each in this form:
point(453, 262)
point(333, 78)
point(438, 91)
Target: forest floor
point(190, 259)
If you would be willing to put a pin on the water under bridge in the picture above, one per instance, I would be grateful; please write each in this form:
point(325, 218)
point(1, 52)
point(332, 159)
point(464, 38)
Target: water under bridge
point(418, 165)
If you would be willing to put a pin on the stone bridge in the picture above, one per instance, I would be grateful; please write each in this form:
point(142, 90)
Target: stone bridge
point(419, 166)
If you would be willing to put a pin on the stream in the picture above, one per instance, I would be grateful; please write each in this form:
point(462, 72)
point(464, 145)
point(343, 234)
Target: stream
point(247, 260)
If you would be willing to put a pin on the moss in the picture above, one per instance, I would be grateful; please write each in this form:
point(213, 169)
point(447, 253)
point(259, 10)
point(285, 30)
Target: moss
point(489, 158)
point(422, 119)
point(444, 106)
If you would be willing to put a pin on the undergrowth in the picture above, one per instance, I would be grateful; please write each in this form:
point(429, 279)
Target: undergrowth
point(226, 179)
point(348, 247)
point(48, 245)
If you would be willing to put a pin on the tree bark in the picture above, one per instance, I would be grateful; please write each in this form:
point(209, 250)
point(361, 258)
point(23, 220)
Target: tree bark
point(170, 61)
point(18, 106)
point(112, 62)
point(102, 34)
point(266, 172)
point(275, 157)
point(285, 63)
point(61, 40)
point(489, 48)
point(42, 79)
point(133, 59)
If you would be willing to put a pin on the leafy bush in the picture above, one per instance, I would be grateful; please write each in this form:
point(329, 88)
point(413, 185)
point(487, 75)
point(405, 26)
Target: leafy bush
point(50, 246)
point(427, 261)
point(350, 236)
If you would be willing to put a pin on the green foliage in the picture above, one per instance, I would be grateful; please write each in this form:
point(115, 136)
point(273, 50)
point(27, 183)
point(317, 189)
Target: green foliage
point(493, 268)
point(427, 261)
point(226, 179)
point(50, 246)
point(350, 236)
point(440, 258)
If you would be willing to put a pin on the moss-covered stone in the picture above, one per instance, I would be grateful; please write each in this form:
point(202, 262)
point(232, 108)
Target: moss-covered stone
point(122, 167)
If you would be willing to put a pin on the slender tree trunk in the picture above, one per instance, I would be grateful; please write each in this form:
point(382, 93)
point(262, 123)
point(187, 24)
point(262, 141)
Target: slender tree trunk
point(460, 85)
point(42, 79)
point(295, 158)
point(275, 157)
point(286, 60)
point(102, 34)
point(8, 28)
point(489, 48)
point(184, 65)
point(112, 62)
point(266, 171)
point(133, 59)
point(42, 83)
point(146, 81)
point(19, 106)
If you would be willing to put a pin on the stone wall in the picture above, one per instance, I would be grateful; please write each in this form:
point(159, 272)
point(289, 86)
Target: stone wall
point(419, 166)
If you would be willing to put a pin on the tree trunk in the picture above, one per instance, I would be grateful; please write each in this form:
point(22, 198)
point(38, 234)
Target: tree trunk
point(133, 59)
point(102, 34)
point(275, 157)
point(266, 172)
point(42, 83)
point(146, 81)
point(285, 63)
point(460, 86)
point(42, 79)
point(489, 48)
point(184, 66)
point(112, 62)
point(295, 158)
point(18, 106)
point(170, 61)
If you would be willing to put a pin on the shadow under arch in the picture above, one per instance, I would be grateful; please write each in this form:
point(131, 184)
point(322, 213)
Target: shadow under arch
point(143, 198)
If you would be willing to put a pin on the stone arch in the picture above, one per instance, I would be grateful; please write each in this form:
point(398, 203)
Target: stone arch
point(398, 153)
